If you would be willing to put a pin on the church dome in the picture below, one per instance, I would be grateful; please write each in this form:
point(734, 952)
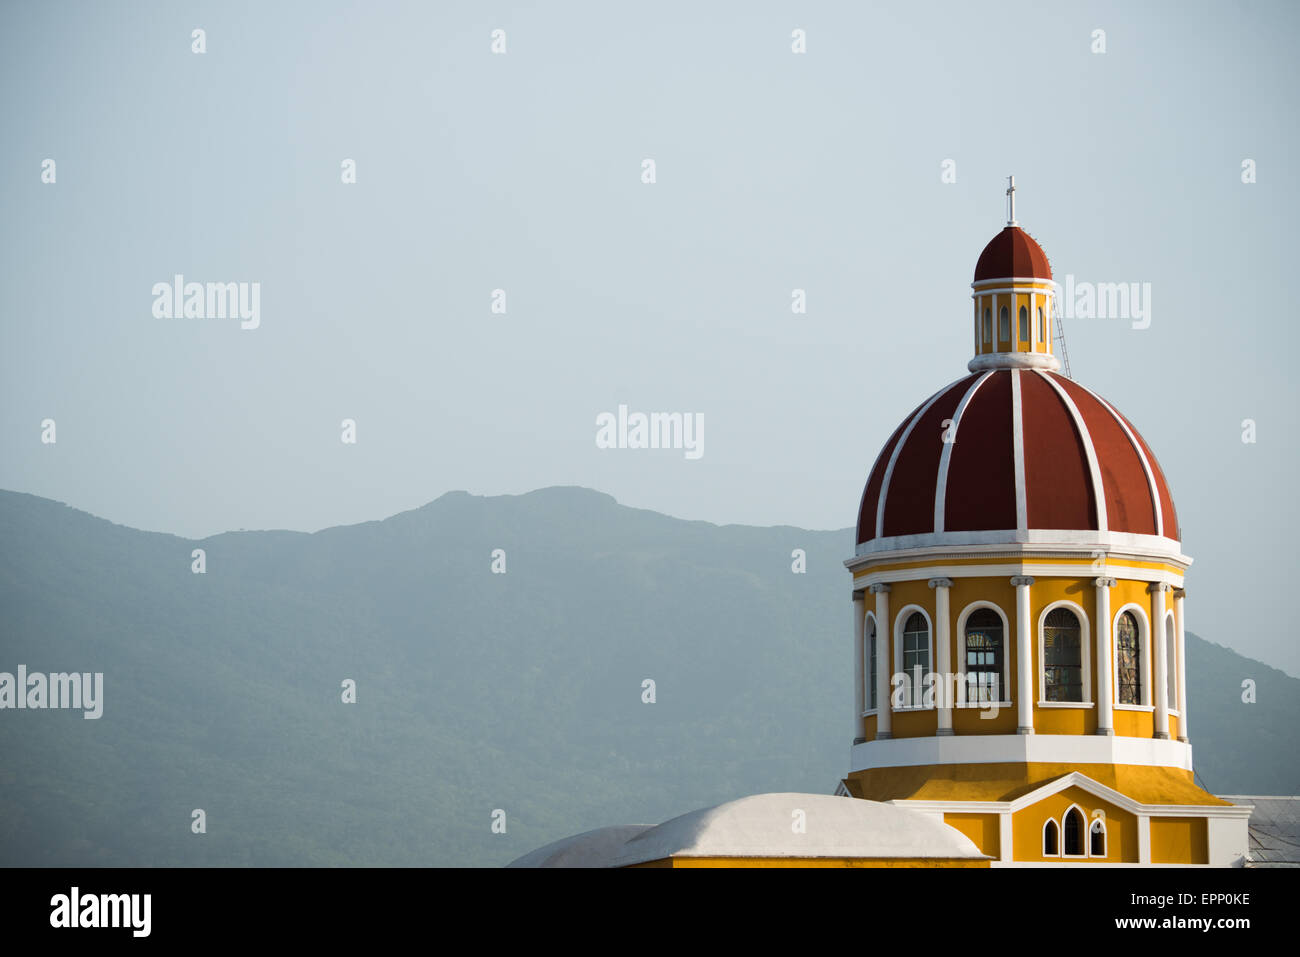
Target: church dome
point(1014, 455)
point(1012, 252)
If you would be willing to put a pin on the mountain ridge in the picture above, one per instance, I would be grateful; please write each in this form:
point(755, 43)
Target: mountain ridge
point(475, 691)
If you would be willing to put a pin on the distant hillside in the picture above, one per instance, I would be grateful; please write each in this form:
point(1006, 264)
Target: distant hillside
point(475, 691)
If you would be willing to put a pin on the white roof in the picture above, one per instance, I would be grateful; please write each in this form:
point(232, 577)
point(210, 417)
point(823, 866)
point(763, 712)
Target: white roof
point(596, 848)
point(763, 825)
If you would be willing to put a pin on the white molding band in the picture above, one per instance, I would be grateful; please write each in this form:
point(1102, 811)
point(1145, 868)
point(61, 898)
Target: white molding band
point(1021, 749)
point(958, 572)
point(1149, 547)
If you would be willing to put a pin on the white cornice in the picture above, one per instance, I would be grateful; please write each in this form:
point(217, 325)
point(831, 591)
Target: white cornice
point(1011, 542)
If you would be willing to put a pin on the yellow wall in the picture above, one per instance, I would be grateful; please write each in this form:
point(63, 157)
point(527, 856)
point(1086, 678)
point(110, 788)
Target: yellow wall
point(1179, 840)
point(983, 830)
point(1045, 590)
point(1013, 301)
point(1027, 828)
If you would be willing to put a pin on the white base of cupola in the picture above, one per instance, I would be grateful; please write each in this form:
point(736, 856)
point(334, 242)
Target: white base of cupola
point(1021, 748)
point(1014, 360)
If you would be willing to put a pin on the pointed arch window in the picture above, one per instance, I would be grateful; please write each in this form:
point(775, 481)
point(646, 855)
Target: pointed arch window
point(1072, 829)
point(1024, 324)
point(1004, 325)
point(1097, 839)
point(1128, 649)
point(1062, 656)
point(1042, 326)
point(988, 324)
point(1051, 839)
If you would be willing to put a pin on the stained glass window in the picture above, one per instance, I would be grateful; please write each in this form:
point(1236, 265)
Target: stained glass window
point(1062, 656)
point(1127, 648)
point(983, 657)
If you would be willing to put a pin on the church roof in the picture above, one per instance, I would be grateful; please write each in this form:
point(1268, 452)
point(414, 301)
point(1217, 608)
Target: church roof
point(1274, 829)
point(1012, 253)
point(596, 848)
point(763, 825)
point(999, 456)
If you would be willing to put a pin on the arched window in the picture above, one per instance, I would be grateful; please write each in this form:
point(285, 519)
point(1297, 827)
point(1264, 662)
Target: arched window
point(1042, 326)
point(984, 657)
point(1128, 659)
point(1062, 656)
point(1097, 838)
point(988, 324)
point(1024, 324)
point(1051, 845)
point(869, 649)
point(1072, 829)
point(1004, 325)
point(1171, 664)
point(916, 654)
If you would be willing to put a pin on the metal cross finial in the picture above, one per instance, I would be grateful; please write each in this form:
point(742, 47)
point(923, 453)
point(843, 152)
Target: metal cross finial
point(1011, 201)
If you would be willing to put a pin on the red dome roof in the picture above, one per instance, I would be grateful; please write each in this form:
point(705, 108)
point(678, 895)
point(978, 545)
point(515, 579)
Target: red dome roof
point(1012, 252)
point(1034, 456)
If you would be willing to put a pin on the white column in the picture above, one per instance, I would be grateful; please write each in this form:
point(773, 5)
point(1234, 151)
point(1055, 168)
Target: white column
point(1105, 692)
point(1180, 638)
point(859, 671)
point(942, 652)
point(1159, 645)
point(1033, 321)
point(1025, 690)
point(884, 641)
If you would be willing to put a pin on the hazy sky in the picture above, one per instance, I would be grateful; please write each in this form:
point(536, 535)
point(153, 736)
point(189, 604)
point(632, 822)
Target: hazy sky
point(522, 172)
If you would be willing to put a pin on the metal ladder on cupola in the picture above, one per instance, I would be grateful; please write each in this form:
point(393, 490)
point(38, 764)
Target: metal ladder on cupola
point(1060, 335)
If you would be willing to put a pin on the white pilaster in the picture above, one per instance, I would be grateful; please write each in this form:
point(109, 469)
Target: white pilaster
point(1105, 692)
point(884, 629)
point(1024, 656)
point(1159, 647)
point(859, 671)
point(1180, 637)
point(943, 653)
